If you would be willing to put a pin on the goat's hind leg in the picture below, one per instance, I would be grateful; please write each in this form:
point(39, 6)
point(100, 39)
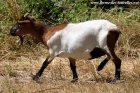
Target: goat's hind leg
point(102, 64)
point(98, 52)
point(117, 62)
point(111, 40)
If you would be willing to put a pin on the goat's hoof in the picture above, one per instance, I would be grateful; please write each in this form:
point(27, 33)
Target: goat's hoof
point(35, 77)
point(74, 80)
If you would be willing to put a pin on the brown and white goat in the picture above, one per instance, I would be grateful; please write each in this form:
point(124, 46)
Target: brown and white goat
point(85, 40)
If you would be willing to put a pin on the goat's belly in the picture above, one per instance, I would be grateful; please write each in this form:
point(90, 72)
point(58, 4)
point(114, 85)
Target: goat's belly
point(84, 55)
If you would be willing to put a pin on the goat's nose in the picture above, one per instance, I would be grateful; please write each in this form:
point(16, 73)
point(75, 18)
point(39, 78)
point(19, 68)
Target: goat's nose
point(12, 32)
point(14, 29)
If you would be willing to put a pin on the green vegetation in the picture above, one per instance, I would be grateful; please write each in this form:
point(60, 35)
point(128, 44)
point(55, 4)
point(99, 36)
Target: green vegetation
point(56, 12)
point(17, 63)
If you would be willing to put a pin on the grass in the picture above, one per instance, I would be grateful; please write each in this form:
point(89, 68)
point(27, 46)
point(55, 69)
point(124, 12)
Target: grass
point(19, 63)
point(57, 76)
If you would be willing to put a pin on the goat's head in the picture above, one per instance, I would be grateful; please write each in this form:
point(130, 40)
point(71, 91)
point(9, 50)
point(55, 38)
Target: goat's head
point(23, 26)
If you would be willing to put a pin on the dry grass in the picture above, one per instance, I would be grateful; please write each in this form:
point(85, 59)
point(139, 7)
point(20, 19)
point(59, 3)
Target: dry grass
point(16, 73)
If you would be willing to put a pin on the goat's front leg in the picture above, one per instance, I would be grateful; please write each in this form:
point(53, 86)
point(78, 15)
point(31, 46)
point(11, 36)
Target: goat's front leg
point(73, 68)
point(44, 65)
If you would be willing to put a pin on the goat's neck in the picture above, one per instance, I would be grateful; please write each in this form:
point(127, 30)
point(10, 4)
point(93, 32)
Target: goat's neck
point(39, 31)
point(43, 32)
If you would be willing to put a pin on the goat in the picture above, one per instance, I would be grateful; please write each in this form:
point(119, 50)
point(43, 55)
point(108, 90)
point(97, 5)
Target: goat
point(85, 40)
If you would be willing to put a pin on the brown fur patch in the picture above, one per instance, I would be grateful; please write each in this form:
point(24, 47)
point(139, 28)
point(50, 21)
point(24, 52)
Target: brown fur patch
point(112, 38)
point(51, 30)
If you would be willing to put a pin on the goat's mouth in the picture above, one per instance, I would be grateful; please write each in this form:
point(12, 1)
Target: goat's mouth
point(21, 39)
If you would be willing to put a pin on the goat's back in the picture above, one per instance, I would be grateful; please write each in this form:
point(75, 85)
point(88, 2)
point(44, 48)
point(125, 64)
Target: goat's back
point(77, 40)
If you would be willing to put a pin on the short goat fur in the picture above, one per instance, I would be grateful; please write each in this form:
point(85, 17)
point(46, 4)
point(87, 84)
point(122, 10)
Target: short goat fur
point(85, 40)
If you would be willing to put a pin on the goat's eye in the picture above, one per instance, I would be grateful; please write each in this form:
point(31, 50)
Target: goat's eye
point(19, 25)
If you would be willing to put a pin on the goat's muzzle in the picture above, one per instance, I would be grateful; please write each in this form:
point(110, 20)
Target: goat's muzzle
point(13, 33)
point(21, 39)
point(14, 29)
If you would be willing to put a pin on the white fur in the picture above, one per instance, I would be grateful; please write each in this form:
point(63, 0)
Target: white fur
point(77, 40)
